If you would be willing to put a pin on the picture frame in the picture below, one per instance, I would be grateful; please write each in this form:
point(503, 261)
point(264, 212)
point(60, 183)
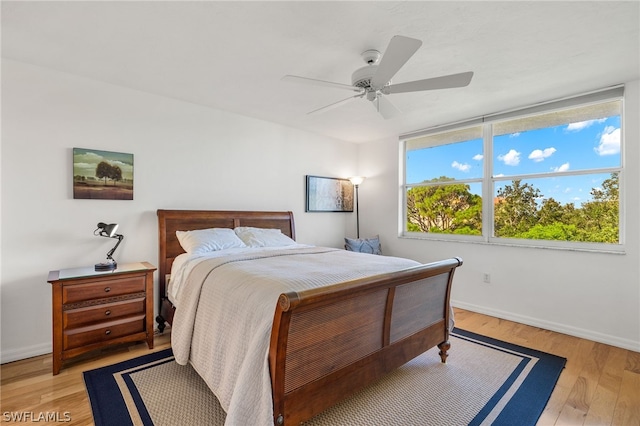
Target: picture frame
point(102, 175)
point(328, 194)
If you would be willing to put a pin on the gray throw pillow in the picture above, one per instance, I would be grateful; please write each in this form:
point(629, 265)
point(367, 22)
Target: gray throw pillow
point(363, 245)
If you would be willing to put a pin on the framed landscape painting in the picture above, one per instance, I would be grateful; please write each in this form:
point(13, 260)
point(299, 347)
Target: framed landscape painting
point(326, 194)
point(102, 175)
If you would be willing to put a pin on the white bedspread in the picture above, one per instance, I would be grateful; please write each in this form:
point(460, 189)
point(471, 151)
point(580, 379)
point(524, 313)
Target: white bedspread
point(222, 324)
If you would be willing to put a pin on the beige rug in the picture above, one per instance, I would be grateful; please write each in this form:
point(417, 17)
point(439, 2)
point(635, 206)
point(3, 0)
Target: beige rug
point(481, 381)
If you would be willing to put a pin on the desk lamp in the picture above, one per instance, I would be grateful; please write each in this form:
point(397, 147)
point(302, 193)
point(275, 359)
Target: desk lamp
point(108, 231)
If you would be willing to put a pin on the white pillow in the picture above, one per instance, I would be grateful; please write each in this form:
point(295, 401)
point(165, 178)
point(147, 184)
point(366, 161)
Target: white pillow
point(201, 241)
point(263, 237)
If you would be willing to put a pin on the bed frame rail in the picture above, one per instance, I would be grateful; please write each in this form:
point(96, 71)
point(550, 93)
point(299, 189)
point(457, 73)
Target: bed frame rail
point(329, 343)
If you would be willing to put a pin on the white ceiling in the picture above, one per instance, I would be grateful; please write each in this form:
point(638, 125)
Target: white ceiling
point(232, 55)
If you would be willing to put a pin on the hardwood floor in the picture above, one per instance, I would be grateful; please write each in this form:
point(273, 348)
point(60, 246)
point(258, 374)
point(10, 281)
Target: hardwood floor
point(600, 384)
point(28, 387)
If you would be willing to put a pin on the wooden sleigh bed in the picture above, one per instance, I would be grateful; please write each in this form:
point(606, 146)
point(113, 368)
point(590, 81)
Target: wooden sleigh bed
point(371, 325)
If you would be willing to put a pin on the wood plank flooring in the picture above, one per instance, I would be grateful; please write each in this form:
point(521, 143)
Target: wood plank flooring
point(600, 384)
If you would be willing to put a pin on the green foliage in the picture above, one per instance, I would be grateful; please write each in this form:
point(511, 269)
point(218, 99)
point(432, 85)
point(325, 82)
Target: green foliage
point(106, 171)
point(515, 209)
point(450, 208)
point(554, 231)
point(103, 171)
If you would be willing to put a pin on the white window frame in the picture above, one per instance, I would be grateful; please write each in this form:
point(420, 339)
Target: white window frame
point(489, 181)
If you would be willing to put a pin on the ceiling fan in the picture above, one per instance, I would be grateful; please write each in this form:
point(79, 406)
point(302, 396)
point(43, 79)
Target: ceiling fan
point(373, 81)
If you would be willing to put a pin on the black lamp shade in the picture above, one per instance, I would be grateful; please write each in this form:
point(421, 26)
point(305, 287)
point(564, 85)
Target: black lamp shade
point(107, 230)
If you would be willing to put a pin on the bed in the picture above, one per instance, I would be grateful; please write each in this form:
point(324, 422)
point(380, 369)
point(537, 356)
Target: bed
point(327, 322)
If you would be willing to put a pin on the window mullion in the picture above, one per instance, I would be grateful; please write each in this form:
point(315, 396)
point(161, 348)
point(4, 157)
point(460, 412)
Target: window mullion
point(487, 182)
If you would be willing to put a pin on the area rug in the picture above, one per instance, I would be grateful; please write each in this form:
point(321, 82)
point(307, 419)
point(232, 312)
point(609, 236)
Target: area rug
point(484, 382)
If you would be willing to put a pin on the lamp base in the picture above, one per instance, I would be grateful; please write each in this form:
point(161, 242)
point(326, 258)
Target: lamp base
point(106, 266)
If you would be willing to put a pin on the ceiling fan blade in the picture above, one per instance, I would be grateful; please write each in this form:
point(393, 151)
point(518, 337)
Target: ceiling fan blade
point(398, 52)
point(312, 81)
point(386, 108)
point(333, 105)
point(445, 82)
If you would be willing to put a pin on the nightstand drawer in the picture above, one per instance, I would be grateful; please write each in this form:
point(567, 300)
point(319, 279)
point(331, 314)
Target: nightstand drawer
point(103, 288)
point(83, 336)
point(102, 313)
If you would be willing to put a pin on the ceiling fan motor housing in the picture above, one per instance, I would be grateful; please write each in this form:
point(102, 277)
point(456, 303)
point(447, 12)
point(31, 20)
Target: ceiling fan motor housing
point(362, 76)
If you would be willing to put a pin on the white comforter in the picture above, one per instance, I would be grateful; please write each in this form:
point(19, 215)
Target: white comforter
point(223, 320)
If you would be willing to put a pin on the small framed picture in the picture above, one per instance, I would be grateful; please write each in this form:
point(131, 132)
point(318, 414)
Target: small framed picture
point(327, 194)
point(102, 175)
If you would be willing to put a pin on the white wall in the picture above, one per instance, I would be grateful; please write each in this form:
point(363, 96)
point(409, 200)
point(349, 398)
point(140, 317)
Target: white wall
point(185, 156)
point(590, 295)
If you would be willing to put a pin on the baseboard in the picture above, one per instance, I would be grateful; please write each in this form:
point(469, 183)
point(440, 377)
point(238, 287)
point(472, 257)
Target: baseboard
point(24, 353)
point(553, 326)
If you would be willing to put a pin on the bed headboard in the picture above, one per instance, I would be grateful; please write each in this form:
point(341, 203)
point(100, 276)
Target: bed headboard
point(170, 221)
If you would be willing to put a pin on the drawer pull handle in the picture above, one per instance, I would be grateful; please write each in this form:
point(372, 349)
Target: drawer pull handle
point(108, 312)
point(108, 332)
point(107, 289)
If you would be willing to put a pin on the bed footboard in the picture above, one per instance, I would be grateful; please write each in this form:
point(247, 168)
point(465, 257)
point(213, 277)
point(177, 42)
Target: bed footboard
point(328, 343)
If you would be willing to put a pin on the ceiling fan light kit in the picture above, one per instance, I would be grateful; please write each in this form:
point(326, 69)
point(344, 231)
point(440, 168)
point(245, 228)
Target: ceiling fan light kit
point(374, 79)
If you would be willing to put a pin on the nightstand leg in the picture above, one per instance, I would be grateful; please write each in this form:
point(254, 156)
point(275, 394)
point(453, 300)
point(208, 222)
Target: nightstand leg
point(56, 320)
point(57, 364)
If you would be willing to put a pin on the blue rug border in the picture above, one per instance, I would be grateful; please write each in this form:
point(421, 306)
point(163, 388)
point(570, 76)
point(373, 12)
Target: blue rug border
point(100, 382)
point(113, 411)
point(537, 386)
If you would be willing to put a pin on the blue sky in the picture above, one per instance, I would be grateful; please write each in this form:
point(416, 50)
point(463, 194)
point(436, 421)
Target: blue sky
point(576, 146)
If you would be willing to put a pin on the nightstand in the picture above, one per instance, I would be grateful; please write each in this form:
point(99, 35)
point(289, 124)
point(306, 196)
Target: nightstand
point(93, 309)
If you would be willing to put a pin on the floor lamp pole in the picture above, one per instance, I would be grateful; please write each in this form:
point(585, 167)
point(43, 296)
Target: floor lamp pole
point(356, 181)
point(357, 214)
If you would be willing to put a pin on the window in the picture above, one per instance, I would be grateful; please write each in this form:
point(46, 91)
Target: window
point(444, 183)
point(546, 176)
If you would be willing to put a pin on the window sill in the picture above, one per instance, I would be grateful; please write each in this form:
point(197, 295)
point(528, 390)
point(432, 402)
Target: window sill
point(502, 242)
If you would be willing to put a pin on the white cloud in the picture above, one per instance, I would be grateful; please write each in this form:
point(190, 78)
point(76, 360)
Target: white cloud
point(609, 142)
point(84, 169)
point(580, 125)
point(478, 157)
point(514, 135)
point(462, 167)
point(511, 158)
point(538, 155)
point(88, 158)
point(562, 168)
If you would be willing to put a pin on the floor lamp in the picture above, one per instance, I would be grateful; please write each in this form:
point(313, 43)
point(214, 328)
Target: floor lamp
point(356, 181)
